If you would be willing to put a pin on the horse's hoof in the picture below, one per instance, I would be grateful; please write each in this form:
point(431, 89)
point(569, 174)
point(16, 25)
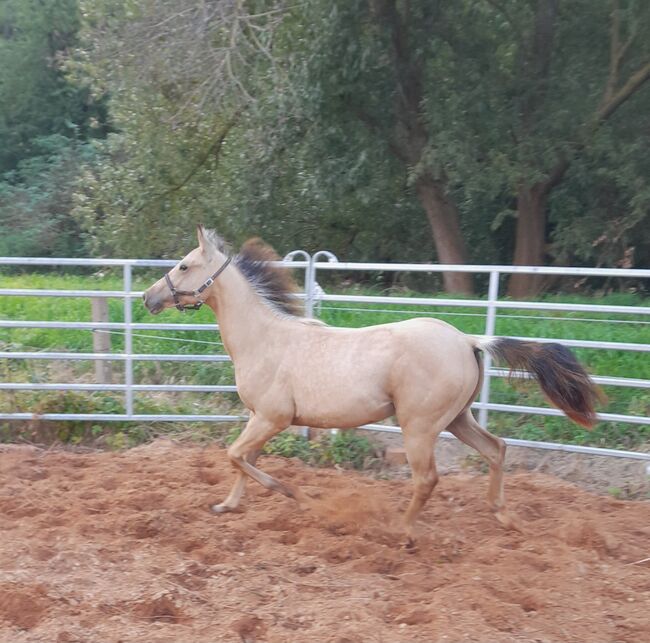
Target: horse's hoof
point(303, 501)
point(221, 509)
point(410, 546)
point(509, 521)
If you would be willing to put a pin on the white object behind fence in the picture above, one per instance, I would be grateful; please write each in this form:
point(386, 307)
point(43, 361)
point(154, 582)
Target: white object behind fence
point(313, 296)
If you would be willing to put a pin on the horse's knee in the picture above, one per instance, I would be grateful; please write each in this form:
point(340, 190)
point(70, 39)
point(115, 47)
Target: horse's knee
point(235, 455)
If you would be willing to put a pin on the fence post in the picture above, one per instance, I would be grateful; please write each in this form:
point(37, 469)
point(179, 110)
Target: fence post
point(128, 342)
point(490, 325)
point(331, 258)
point(101, 340)
point(305, 257)
point(303, 430)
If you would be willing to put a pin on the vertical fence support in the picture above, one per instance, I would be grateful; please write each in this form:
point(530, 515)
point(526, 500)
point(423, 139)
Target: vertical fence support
point(309, 288)
point(128, 342)
point(305, 256)
point(101, 340)
point(490, 325)
point(331, 258)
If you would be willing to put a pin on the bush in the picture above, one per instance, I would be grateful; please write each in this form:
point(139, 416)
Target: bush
point(345, 448)
point(36, 201)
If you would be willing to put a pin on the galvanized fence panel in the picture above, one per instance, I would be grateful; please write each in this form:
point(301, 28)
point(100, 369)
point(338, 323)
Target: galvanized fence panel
point(314, 297)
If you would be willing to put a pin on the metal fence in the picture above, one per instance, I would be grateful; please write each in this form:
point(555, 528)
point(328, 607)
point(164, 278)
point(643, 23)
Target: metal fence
point(314, 297)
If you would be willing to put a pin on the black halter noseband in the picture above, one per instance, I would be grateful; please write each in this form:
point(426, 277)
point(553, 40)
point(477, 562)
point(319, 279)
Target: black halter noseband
point(194, 293)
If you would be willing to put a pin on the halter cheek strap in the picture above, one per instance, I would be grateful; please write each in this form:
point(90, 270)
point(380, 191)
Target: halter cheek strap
point(194, 293)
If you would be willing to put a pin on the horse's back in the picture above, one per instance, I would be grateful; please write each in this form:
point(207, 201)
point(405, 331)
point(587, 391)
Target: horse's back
point(399, 355)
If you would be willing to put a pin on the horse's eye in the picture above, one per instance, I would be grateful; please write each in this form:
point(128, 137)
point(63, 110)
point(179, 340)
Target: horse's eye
point(182, 267)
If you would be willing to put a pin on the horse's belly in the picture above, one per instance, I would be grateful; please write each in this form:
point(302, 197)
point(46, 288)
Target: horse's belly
point(342, 413)
point(342, 388)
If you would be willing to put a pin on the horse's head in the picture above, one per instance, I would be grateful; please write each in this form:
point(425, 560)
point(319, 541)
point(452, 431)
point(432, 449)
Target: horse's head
point(186, 284)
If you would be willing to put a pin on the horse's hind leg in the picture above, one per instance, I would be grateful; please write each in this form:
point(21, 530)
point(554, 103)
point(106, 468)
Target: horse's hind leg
point(493, 449)
point(419, 451)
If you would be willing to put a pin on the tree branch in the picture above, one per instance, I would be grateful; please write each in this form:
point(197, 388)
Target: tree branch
point(612, 98)
point(555, 177)
point(633, 84)
point(536, 62)
point(617, 51)
point(614, 52)
point(213, 150)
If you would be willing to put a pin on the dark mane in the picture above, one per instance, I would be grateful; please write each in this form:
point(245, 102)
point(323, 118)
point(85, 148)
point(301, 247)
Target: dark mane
point(272, 283)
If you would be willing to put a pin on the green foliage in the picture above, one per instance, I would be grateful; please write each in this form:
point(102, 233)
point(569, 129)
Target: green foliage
point(36, 200)
point(615, 492)
point(35, 98)
point(600, 212)
point(44, 121)
point(345, 448)
point(319, 147)
point(68, 432)
point(311, 123)
point(290, 445)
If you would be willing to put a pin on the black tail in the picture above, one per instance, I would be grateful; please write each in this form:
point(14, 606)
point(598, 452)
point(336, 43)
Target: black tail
point(558, 372)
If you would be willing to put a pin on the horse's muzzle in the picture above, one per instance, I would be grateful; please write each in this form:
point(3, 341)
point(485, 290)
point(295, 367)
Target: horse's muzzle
point(154, 307)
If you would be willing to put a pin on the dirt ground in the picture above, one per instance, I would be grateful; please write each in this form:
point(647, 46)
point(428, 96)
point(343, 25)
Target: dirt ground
point(121, 547)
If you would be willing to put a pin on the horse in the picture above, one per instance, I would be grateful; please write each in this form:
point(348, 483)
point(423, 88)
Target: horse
point(291, 370)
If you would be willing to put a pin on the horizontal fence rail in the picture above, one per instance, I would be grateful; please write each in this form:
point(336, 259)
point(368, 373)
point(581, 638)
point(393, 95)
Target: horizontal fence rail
point(314, 298)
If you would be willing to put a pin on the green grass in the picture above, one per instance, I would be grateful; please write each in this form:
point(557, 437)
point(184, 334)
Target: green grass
point(512, 322)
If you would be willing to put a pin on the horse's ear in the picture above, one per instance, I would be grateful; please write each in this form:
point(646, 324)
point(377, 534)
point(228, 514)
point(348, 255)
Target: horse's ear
point(201, 237)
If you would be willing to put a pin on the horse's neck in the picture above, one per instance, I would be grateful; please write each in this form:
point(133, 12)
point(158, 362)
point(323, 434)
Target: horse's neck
point(245, 321)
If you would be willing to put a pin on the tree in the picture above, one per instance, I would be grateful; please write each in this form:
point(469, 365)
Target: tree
point(563, 72)
point(627, 71)
point(239, 65)
point(343, 123)
point(36, 199)
point(368, 61)
point(35, 98)
point(180, 80)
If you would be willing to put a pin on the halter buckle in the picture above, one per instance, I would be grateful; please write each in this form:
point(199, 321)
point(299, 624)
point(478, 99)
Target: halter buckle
point(196, 293)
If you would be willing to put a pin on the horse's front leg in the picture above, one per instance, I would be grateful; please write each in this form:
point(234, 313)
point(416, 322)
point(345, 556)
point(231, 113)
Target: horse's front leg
point(234, 497)
point(243, 453)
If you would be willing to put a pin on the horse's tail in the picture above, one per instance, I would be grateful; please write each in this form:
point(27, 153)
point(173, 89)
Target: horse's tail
point(559, 374)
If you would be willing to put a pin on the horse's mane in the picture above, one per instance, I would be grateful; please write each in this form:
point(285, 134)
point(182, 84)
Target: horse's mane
point(272, 283)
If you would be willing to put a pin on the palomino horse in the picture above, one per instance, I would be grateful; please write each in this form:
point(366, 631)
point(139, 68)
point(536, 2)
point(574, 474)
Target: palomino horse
point(292, 370)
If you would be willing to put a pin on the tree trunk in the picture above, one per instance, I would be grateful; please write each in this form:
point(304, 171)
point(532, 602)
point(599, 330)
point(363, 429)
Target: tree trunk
point(530, 240)
point(445, 226)
point(410, 136)
point(535, 65)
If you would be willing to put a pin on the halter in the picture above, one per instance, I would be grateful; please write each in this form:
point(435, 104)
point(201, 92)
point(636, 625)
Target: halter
point(194, 293)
